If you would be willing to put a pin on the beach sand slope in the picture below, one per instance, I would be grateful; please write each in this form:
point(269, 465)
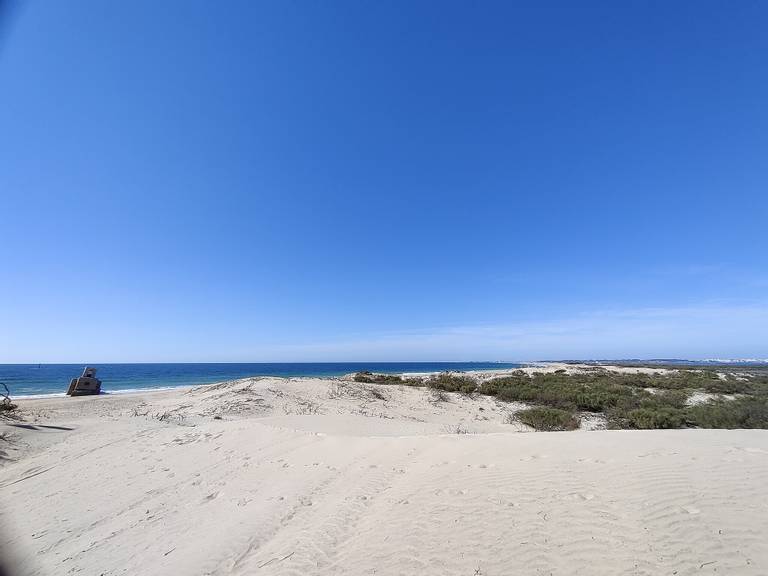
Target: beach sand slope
point(308, 476)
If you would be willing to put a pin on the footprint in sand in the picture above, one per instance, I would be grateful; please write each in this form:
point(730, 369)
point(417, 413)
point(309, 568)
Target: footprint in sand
point(753, 450)
point(578, 496)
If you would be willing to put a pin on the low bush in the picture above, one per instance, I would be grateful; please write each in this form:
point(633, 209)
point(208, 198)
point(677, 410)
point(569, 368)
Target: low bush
point(660, 417)
point(567, 393)
point(372, 378)
point(511, 390)
point(745, 412)
point(728, 386)
point(673, 380)
point(548, 419)
point(663, 399)
point(452, 383)
point(494, 385)
point(640, 401)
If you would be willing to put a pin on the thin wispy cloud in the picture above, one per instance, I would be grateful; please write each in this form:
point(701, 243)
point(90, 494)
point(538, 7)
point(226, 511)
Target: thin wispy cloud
point(693, 331)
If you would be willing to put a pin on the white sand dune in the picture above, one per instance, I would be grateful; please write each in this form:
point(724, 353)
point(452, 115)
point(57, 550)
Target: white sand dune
point(307, 476)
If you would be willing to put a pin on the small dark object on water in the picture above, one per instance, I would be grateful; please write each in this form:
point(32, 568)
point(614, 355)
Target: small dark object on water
point(86, 384)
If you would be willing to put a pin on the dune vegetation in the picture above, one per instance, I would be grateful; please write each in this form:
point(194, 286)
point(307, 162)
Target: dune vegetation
point(680, 398)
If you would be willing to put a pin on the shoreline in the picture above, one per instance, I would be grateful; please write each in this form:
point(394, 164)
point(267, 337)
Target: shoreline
point(156, 382)
point(127, 391)
point(480, 374)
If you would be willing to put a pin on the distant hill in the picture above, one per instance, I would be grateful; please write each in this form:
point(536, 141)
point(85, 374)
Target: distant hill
point(675, 362)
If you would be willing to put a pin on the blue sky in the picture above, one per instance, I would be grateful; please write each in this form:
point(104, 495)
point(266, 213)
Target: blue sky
point(288, 181)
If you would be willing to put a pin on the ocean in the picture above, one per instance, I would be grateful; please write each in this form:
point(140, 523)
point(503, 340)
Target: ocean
point(53, 379)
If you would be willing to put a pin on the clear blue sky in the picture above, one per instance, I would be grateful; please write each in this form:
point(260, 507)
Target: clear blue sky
point(270, 181)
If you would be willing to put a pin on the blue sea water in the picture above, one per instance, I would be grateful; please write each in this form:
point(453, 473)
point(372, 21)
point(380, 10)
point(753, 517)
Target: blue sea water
point(47, 379)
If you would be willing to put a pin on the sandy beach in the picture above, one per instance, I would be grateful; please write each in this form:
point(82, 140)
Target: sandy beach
point(328, 476)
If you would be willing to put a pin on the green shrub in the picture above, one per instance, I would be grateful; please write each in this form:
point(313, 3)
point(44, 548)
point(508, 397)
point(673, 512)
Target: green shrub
point(536, 391)
point(557, 391)
point(452, 383)
point(371, 378)
point(729, 386)
point(548, 419)
point(650, 418)
point(678, 379)
point(745, 412)
point(628, 400)
point(494, 385)
point(663, 399)
point(521, 391)
point(598, 397)
point(489, 387)
point(674, 398)
point(412, 382)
